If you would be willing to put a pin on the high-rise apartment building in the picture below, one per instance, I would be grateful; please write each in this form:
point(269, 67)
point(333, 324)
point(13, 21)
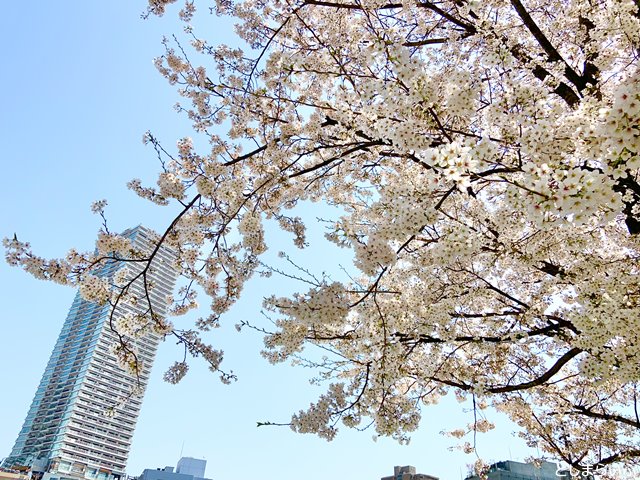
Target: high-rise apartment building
point(83, 415)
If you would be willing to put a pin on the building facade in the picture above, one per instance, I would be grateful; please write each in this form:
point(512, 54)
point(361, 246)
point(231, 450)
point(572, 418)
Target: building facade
point(187, 469)
point(192, 466)
point(408, 472)
point(83, 415)
point(510, 470)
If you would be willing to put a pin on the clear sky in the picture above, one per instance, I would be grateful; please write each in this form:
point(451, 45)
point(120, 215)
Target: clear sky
point(78, 91)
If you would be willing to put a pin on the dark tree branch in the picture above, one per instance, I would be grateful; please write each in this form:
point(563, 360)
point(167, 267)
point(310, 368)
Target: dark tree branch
point(233, 161)
point(588, 412)
point(469, 28)
point(363, 146)
point(551, 51)
point(541, 380)
point(549, 330)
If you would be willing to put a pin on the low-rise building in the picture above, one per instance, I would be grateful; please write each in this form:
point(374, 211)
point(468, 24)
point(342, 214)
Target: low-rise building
point(510, 470)
point(188, 469)
point(408, 472)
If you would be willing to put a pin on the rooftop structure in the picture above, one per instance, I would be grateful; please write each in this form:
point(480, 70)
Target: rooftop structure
point(408, 473)
point(192, 466)
point(187, 469)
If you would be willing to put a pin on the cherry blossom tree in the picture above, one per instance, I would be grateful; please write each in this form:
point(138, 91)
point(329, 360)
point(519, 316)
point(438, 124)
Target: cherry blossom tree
point(484, 160)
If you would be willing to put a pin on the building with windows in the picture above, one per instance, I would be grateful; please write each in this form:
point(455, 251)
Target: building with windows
point(510, 470)
point(83, 415)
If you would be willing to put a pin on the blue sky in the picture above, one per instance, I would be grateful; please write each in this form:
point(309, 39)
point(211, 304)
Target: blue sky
point(78, 91)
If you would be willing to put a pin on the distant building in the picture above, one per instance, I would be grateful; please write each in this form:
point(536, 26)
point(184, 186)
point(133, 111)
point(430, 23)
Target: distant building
point(165, 473)
point(408, 473)
point(66, 434)
point(192, 466)
point(510, 470)
point(188, 469)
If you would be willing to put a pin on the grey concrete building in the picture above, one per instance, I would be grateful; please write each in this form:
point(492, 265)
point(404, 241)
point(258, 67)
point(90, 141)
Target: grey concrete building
point(192, 466)
point(187, 469)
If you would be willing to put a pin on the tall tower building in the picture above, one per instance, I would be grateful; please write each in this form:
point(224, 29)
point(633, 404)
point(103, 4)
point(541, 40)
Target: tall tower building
point(83, 415)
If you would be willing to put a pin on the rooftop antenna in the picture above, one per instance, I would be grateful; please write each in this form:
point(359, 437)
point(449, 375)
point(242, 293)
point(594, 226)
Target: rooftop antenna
point(181, 449)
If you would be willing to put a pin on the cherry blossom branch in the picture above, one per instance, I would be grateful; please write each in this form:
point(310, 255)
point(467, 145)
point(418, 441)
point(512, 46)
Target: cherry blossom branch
point(550, 50)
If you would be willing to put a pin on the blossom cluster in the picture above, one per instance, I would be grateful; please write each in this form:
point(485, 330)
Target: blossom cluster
point(110, 243)
point(95, 289)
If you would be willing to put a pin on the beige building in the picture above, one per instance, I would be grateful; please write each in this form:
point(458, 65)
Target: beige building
point(12, 475)
point(408, 473)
